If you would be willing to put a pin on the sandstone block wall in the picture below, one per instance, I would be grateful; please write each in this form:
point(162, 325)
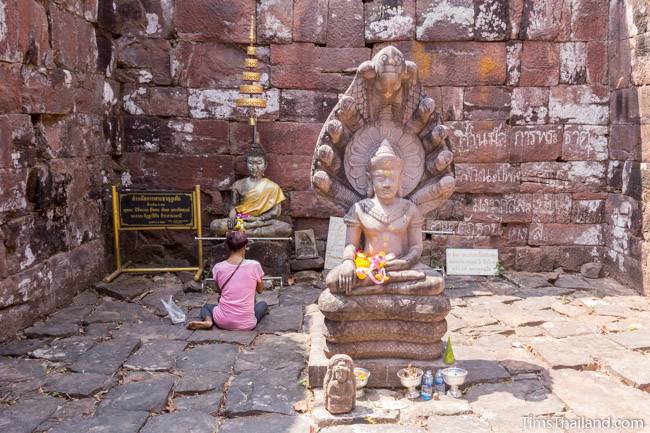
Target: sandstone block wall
point(626, 211)
point(525, 85)
point(57, 133)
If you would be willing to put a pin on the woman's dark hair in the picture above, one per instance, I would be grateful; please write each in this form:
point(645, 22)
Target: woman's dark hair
point(236, 240)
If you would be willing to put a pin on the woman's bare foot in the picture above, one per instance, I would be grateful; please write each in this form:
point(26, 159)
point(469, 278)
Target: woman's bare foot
point(199, 325)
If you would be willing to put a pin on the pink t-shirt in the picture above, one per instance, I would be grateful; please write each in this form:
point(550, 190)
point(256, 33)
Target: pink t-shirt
point(236, 308)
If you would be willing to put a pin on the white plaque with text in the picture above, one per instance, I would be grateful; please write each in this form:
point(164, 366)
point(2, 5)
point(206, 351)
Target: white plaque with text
point(479, 261)
point(335, 242)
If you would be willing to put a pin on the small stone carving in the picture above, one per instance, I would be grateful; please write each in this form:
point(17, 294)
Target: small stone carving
point(257, 197)
point(339, 385)
point(305, 242)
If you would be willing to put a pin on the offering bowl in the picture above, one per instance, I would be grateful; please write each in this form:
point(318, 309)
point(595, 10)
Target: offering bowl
point(361, 376)
point(454, 377)
point(411, 378)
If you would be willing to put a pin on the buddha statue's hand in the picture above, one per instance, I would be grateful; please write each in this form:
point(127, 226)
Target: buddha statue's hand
point(397, 265)
point(346, 276)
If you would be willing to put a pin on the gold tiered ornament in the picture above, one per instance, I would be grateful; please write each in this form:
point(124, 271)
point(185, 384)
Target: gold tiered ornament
point(253, 89)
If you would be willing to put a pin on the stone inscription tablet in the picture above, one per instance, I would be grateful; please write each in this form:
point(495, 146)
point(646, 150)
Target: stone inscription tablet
point(335, 242)
point(156, 209)
point(480, 261)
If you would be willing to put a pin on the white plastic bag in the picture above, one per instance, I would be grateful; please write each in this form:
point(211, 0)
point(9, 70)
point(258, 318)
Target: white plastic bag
point(175, 313)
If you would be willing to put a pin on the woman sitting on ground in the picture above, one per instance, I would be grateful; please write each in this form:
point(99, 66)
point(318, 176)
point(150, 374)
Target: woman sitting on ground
point(237, 279)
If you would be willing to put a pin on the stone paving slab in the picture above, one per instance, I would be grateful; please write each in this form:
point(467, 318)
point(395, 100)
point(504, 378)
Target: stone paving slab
point(527, 292)
point(207, 402)
point(26, 415)
point(109, 310)
point(106, 357)
point(515, 316)
point(267, 376)
point(369, 428)
point(77, 384)
point(518, 361)
point(125, 287)
point(536, 303)
point(271, 297)
point(593, 394)
point(300, 294)
point(267, 350)
point(153, 299)
point(457, 424)
point(281, 319)
point(267, 424)
point(155, 355)
point(444, 405)
point(210, 357)
point(610, 287)
point(573, 281)
point(258, 391)
point(635, 340)
point(504, 404)
point(148, 394)
point(565, 328)
point(65, 349)
point(21, 378)
point(63, 323)
point(573, 352)
point(631, 367)
point(216, 335)
point(152, 331)
point(87, 297)
point(527, 279)
point(123, 422)
point(22, 347)
point(367, 410)
point(68, 410)
point(185, 421)
point(200, 381)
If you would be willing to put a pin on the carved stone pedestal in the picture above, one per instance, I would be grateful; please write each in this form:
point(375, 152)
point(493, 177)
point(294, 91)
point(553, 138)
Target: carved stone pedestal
point(381, 332)
point(272, 255)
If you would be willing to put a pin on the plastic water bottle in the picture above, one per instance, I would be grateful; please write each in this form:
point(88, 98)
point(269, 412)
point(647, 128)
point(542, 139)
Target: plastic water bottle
point(439, 383)
point(427, 386)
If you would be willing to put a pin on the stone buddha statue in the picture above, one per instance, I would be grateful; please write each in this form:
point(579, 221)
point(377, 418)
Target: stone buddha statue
point(388, 224)
point(384, 153)
point(257, 200)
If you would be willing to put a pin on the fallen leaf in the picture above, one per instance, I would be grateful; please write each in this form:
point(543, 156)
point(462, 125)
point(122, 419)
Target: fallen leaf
point(300, 406)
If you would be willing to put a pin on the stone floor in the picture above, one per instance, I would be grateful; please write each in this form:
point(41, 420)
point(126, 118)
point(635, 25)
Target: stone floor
point(539, 345)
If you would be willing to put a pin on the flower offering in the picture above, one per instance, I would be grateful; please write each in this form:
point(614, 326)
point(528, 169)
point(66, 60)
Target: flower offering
point(372, 266)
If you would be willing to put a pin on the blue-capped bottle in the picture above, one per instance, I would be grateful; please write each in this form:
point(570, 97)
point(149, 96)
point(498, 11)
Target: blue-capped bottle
point(439, 383)
point(426, 392)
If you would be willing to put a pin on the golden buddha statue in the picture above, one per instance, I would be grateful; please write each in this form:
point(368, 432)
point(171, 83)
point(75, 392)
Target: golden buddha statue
point(257, 201)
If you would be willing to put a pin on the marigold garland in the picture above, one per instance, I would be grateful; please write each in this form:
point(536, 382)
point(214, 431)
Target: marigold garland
point(372, 266)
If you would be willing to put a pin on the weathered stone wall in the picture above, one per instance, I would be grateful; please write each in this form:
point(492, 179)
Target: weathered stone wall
point(626, 212)
point(56, 137)
point(524, 84)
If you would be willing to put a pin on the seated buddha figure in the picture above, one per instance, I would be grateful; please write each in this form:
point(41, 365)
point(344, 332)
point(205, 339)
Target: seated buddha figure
point(257, 201)
point(403, 317)
point(385, 223)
